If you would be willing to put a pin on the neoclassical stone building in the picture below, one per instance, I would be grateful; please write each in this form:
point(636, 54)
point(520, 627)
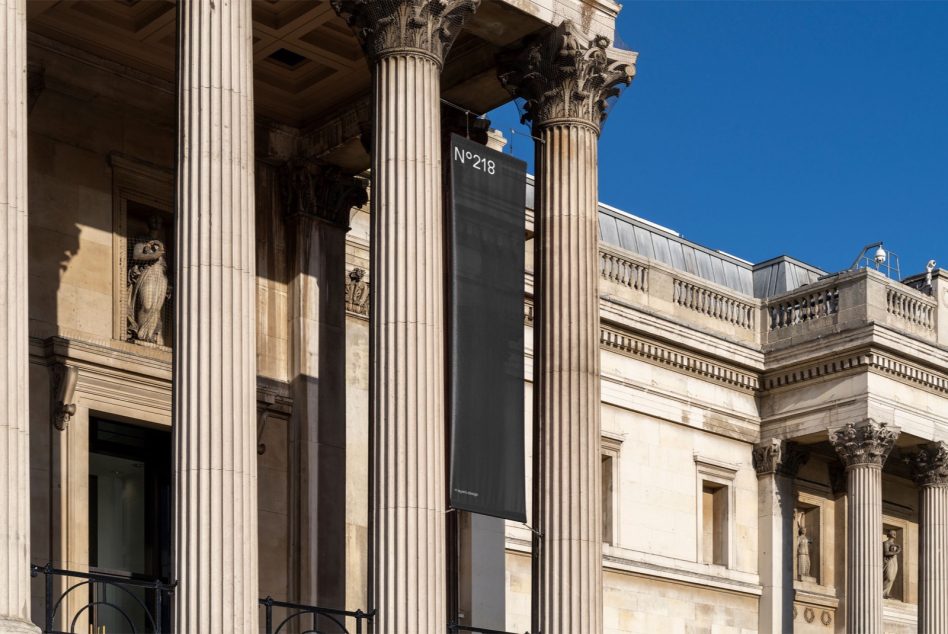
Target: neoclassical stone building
point(222, 343)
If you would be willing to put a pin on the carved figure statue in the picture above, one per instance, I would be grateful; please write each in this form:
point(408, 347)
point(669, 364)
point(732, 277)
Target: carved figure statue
point(803, 552)
point(357, 292)
point(929, 269)
point(890, 563)
point(147, 292)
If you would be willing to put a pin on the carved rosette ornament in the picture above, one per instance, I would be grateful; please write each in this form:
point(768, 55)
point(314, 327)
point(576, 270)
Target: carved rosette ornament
point(322, 191)
point(780, 457)
point(562, 76)
point(866, 444)
point(930, 465)
point(425, 27)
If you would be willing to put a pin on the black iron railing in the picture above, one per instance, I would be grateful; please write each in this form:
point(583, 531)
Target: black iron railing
point(280, 616)
point(97, 602)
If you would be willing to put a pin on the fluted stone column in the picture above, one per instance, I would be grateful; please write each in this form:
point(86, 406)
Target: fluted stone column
point(565, 78)
point(406, 42)
point(214, 378)
point(319, 200)
point(777, 463)
point(14, 328)
point(930, 468)
point(864, 448)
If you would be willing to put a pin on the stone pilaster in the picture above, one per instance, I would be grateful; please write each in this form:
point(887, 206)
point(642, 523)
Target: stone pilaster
point(777, 463)
point(14, 328)
point(864, 448)
point(214, 378)
point(930, 469)
point(406, 42)
point(318, 202)
point(565, 80)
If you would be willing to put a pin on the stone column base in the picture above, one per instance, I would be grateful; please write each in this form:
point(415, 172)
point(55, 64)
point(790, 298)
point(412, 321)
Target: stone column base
point(9, 625)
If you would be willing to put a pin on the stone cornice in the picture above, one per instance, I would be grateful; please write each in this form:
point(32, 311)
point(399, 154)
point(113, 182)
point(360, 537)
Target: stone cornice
point(563, 77)
point(630, 345)
point(392, 27)
point(865, 444)
point(875, 361)
point(616, 339)
point(930, 465)
point(778, 457)
point(322, 192)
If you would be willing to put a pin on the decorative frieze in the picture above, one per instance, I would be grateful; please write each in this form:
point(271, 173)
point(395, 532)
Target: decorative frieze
point(868, 443)
point(426, 27)
point(930, 465)
point(778, 456)
point(563, 76)
point(322, 191)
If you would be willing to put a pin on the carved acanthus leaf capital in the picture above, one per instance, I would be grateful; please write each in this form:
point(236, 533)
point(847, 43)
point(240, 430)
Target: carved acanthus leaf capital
point(779, 457)
point(564, 76)
point(930, 465)
point(868, 443)
point(322, 191)
point(404, 26)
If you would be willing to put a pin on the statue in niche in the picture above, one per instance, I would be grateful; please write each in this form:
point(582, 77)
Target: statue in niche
point(357, 292)
point(890, 562)
point(803, 549)
point(147, 292)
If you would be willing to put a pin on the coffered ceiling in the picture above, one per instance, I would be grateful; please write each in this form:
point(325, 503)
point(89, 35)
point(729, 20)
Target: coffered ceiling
point(308, 65)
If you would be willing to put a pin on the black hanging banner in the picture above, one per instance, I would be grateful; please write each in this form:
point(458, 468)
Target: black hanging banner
point(486, 232)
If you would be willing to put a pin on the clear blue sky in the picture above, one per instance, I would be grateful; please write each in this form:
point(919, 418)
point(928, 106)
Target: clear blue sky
point(764, 128)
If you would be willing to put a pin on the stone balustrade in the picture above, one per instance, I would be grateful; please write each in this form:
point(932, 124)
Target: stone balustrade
point(805, 307)
point(616, 267)
point(714, 304)
point(839, 302)
point(912, 306)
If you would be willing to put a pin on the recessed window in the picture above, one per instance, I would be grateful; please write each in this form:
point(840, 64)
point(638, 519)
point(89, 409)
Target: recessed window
point(714, 523)
point(714, 511)
point(608, 497)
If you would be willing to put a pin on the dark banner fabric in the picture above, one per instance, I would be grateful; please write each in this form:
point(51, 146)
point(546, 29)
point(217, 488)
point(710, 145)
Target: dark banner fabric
point(486, 232)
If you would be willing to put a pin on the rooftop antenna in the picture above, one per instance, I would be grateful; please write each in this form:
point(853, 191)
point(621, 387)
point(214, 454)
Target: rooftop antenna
point(875, 256)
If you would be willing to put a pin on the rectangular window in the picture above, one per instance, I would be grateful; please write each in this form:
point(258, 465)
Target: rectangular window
point(714, 521)
point(608, 496)
point(714, 511)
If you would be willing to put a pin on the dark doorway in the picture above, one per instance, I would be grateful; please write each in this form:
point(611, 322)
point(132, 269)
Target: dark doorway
point(129, 520)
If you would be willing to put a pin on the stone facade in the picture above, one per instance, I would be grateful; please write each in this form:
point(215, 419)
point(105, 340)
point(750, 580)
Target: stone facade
point(715, 417)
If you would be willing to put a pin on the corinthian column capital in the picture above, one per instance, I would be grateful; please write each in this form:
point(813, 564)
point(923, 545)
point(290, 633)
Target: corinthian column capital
point(564, 76)
point(778, 457)
point(323, 192)
point(427, 27)
point(930, 465)
point(865, 444)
